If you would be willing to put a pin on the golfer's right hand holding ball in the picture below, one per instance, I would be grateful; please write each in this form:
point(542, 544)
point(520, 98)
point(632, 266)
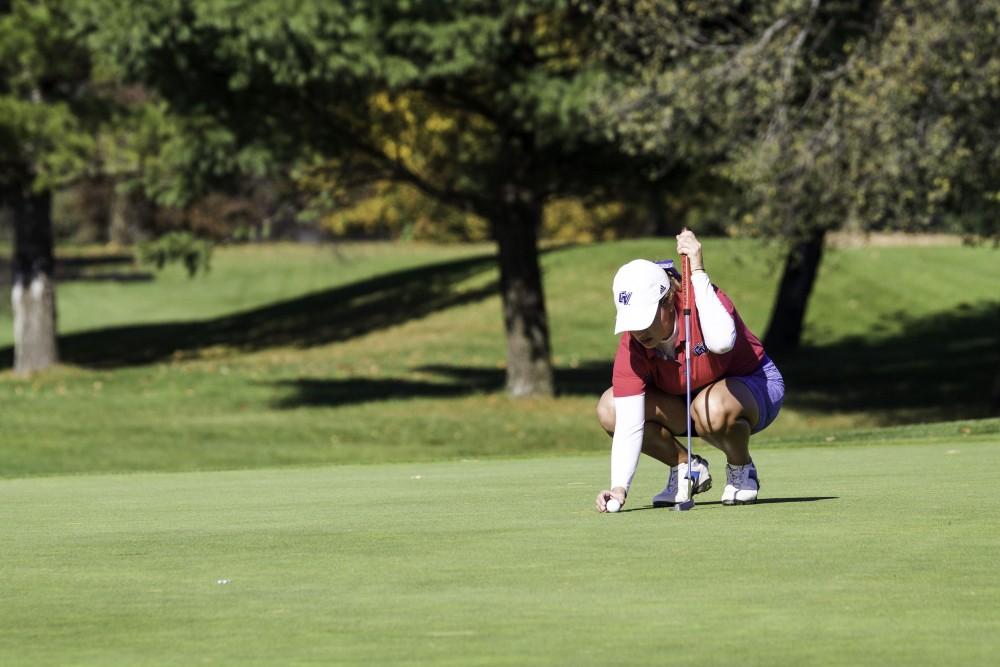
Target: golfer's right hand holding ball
point(610, 501)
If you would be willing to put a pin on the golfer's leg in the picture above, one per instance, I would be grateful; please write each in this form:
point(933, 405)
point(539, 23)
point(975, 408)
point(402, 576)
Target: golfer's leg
point(663, 413)
point(665, 416)
point(606, 411)
point(724, 414)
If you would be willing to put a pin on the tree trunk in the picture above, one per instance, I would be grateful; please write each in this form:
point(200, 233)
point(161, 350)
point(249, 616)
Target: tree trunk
point(515, 223)
point(995, 395)
point(784, 332)
point(33, 290)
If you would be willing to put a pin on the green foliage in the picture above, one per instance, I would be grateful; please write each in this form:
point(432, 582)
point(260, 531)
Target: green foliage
point(712, 90)
point(166, 157)
point(47, 102)
point(872, 116)
point(812, 114)
point(194, 253)
point(920, 106)
point(47, 136)
point(451, 99)
point(901, 136)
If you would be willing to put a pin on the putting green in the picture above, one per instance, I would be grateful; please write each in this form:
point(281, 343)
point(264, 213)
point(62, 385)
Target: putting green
point(859, 555)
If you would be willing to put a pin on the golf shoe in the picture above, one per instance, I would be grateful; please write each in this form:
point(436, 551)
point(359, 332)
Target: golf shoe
point(676, 490)
point(742, 485)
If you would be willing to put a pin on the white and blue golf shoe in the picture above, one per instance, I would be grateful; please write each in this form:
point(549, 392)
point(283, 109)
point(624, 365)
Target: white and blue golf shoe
point(676, 490)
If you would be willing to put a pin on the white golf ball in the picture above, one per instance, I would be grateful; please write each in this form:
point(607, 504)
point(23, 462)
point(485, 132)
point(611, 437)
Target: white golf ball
point(613, 505)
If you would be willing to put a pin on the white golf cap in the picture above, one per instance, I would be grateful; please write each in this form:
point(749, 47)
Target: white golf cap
point(637, 289)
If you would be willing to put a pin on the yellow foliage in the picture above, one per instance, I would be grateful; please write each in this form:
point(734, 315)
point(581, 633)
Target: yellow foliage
point(570, 220)
point(392, 210)
point(439, 123)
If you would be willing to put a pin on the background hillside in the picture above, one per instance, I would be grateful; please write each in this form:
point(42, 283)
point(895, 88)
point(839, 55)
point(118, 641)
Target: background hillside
point(376, 352)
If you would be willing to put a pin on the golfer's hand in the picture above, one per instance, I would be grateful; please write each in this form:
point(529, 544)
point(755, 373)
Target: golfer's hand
point(688, 244)
point(604, 496)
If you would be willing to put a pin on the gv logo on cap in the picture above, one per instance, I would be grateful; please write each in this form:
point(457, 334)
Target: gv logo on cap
point(624, 297)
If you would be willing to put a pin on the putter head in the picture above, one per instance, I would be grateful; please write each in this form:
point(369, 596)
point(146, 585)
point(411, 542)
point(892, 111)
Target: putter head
point(692, 481)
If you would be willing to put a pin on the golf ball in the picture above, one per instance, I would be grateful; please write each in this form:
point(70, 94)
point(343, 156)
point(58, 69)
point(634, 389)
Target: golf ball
point(613, 505)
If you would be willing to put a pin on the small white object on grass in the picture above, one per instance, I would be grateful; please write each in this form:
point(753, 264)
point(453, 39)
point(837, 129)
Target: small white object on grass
point(613, 505)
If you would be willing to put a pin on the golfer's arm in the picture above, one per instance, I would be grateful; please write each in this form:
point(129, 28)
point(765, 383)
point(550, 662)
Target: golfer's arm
point(717, 325)
point(626, 444)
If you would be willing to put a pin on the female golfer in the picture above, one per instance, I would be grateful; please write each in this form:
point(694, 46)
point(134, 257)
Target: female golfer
point(736, 390)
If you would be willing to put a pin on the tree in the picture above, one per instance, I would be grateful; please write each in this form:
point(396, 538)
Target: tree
point(477, 104)
point(733, 91)
point(902, 136)
point(42, 141)
point(919, 102)
point(819, 114)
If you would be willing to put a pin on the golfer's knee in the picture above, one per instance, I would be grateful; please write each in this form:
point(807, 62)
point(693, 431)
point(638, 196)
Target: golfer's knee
point(715, 414)
point(606, 411)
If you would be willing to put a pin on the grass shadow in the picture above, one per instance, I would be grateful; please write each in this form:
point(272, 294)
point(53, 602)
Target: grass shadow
point(106, 267)
point(331, 393)
point(588, 380)
point(103, 267)
point(760, 501)
point(322, 317)
point(941, 369)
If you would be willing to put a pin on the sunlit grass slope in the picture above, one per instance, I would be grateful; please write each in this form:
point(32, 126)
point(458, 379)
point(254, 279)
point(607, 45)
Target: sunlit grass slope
point(286, 355)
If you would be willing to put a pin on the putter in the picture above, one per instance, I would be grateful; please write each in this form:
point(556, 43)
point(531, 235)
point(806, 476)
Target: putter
point(692, 479)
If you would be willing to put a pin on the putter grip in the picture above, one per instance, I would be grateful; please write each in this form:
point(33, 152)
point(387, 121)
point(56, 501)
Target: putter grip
point(686, 282)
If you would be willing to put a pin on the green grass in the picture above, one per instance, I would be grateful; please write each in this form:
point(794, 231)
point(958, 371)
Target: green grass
point(225, 398)
point(863, 555)
point(241, 278)
point(287, 355)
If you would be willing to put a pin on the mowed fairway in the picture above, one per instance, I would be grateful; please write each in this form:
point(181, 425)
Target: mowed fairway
point(879, 555)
